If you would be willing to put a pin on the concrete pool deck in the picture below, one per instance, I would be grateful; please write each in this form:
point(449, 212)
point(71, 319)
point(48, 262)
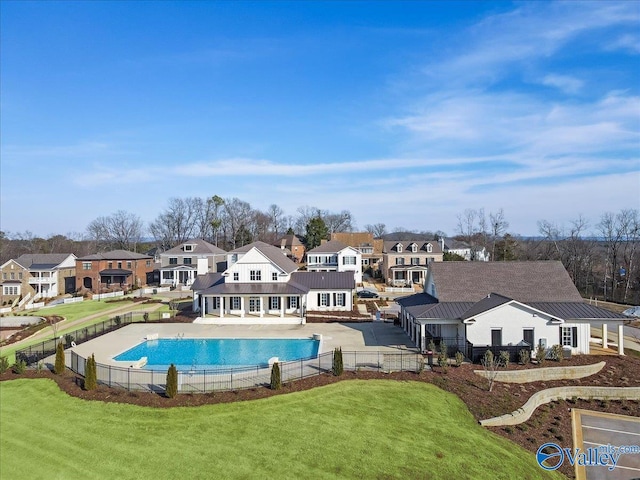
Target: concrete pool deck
point(370, 336)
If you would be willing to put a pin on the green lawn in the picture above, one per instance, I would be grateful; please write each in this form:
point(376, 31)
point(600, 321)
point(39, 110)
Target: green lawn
point(353, 429)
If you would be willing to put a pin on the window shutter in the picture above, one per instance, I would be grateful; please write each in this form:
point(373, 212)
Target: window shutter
point(574, 337)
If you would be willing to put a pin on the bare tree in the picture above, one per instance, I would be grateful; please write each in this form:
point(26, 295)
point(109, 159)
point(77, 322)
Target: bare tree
point(121, 230)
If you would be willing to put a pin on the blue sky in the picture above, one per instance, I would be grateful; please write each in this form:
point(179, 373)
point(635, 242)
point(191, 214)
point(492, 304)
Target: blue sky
point(403, 113)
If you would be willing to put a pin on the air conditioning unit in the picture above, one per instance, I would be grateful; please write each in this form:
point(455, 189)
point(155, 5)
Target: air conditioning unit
point(543, 342)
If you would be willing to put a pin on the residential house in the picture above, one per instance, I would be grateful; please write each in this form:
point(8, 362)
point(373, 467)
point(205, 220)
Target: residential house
point(466, 251)
point(181, 264)
point(405, 262)
point(119, 269)
point(473, 306)
point(293, 246)
point(262, 285)
point(44, 275)
point(369, 247)
point(335, 256)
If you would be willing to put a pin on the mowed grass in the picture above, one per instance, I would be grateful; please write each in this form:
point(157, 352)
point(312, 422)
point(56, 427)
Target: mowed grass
point(353, 429)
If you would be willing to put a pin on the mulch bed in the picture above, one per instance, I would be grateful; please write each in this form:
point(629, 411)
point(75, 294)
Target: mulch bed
point(550, 422)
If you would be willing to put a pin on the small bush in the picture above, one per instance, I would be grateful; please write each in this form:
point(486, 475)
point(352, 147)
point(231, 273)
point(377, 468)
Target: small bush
point(59, 365)
point(4, 364)
point(19, 367)
point(525, 356)
point(90, 374)
point(338, 365)
point(459, 358)
point(172, 382)
point(276, 380)
point(504, 358)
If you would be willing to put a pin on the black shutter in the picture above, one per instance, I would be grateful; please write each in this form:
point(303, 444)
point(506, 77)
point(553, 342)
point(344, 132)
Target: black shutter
point(574, 337)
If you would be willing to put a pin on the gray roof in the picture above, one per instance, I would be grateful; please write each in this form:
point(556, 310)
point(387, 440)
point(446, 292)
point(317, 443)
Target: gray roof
point(325, 280)
point(389, 246)
point(332, 246)
point(202, 247)
point(525, 282)
point(274, 254)
point(117, 255)
point(42, 261)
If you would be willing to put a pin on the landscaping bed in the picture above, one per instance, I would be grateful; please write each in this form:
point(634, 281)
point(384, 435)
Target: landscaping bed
point(550, 422)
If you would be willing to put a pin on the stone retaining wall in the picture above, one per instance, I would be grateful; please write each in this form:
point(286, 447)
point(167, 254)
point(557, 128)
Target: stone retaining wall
point(545, 374)
point(561, 393)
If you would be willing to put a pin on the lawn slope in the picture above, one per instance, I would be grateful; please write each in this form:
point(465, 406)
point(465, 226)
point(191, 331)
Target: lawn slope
point(355, 429)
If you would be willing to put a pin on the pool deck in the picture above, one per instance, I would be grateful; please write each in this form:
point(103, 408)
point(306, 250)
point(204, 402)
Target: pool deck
point(374, 336)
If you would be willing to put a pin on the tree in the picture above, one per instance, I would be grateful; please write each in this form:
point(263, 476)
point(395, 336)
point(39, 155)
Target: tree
point(338, 365)
point(316, 232)
point(59, 366)
point(276, 380)
point(90, 374)
point(121, 230)
point(172, 382)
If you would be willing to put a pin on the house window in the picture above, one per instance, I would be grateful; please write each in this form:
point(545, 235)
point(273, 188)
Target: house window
point(274, 276)
point(128, 264)
point(274, 303)
point(496, 337)
point(415, 261)
point(173, 260)
point(254, 304)
point(187, 260)
point(323, 299)
point(86, 265)
point(527, 336)
point(339, 299)
point(293, 302)
point(400, 261)
point(569, 336)
point(255, 275)
point(236, 276)
point(235, 303)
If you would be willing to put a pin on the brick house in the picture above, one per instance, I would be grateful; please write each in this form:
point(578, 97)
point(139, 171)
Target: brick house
point(117, 269)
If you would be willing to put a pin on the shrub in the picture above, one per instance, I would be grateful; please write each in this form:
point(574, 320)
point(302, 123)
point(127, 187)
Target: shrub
point(90, 374)
point(459, 358)
point(504, 358)
point(276, 380)
point(172, 381)
point(338, 365)
point(541, 354)
point(4, 364)
point(525, 356)
point(19, 367)
point(59, 365)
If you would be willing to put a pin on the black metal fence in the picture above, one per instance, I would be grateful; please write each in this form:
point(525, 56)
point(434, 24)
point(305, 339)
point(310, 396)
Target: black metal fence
point(34, 353)
point(229, 379)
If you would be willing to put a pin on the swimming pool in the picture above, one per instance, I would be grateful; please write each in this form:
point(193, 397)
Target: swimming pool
point(213, 353)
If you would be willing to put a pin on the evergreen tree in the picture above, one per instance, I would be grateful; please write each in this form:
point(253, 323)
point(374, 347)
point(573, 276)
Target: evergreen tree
point(276, 380)
point(338, 366)
point(172, 381)
point(90, 374)
point(59, 365)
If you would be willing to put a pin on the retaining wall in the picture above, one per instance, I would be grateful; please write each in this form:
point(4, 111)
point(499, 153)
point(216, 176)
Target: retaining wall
point(561, 393)
point(545, 374)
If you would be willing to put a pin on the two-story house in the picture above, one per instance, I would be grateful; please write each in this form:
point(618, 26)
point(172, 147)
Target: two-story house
point(335, 256)
point(44, 275)
point(119, 269)
point(262, 285)
point(405, 262)
point(292, 246)
point(181, 264)
point(369, 247)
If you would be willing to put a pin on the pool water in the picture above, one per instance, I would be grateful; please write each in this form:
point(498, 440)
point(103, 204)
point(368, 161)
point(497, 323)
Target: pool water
point(209, 353)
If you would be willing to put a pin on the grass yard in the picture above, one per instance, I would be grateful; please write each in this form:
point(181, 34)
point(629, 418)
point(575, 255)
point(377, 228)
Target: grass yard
point(356, 429)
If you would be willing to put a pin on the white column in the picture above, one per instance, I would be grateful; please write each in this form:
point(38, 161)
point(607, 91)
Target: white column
point(621, 339)
point(605, 340)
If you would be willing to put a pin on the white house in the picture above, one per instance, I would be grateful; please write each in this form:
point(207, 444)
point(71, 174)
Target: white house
point(181, 264)
point(472, 306)
point(262, 285)
point(335, 256)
